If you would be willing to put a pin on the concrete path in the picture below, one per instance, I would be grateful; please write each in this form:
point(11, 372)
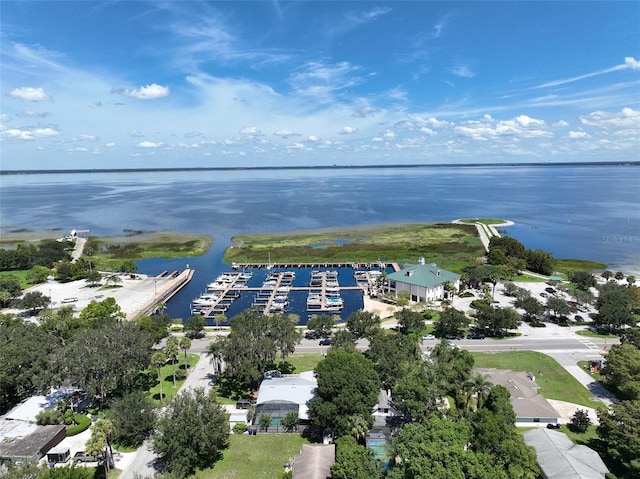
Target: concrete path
point(143, 463)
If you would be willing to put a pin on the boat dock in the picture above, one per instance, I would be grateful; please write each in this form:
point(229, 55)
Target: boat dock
point(323, 291)
point(355, 265)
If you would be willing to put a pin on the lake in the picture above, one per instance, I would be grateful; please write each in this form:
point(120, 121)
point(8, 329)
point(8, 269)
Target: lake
point(587, 212)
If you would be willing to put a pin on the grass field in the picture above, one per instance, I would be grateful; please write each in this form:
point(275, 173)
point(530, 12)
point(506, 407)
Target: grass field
point(20, 274)
point(110, 251)
point(591, 334)
point(251, 457)
point(484, 221)
point(166, 372)
point(554, 381)
point(304, 362)
point(451, 246)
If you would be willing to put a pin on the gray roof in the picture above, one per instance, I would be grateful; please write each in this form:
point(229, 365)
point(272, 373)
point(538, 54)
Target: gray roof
point(526, 401)
point(34, 445)
point(314, 461)
point(425, 275)
point(299, 389)
point(559, 458)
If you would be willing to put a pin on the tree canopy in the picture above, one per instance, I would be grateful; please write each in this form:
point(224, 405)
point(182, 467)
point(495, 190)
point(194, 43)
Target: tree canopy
point(192, 433)
point(347, 385)
point(619, 431)
point(354, 461)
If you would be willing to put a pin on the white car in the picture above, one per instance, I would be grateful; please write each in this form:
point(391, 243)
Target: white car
point(69, 300)
point(428, 336)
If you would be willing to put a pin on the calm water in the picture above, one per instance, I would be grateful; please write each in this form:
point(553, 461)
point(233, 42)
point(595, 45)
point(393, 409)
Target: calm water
point(573, 212)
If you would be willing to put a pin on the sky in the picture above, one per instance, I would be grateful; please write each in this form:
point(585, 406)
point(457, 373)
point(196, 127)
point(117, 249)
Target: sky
point(161, 84)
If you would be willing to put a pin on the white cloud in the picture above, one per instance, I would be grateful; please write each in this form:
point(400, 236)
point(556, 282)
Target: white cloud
point(389, 135)
point(427, 131)
point(27, 93)
point(578, 134)
point(625, 119)
point(527, 121)
point(149, 92)
point(348, 130)
point(285, 133)
point(295, 146)
point(85, 138)
point(560, 124)
point(364, 112)
point(16, 133)
point(250, 130)
point(136, 133)
point(111, 144)
point(4, 118)
point(41, 132)
point(632, 63)
point(35, 114)
point(313, 138)
point(462, 71)
point(148, 144)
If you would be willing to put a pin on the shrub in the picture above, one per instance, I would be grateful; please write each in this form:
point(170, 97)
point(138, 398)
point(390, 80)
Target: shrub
point(537, 324)
point(479, 304)
point(68, 417)
point(82, 424)
point(580, 422)
point(240, 428)
point(49, 417)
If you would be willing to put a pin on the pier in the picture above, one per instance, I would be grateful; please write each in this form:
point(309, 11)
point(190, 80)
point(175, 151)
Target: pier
point(323, 289)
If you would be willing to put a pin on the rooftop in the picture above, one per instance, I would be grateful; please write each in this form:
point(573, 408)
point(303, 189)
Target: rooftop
point(425, 275)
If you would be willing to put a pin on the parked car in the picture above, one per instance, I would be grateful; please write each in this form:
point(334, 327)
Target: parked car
point(245, 403)
point(452, 336)
point(543, 294)
point(427, 337)
point(82, 456)
point(325, 342)
point(69, 300)
point(553, 426)
point(578, 318)
point(476, 335)
point(550, 290)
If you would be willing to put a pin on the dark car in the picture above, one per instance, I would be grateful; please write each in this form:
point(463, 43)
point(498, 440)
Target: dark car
point(578, 318)
point(452, 336)
point(325, 342)
point(245, 403)
point(554, 426)
point(475, 335)
point(550, 290)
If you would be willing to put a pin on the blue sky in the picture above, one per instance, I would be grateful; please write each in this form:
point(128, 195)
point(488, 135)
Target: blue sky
point(135, 84)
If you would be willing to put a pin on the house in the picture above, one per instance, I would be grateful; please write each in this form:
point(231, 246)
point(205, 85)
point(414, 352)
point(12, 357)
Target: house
point(22, 442)
point(314, 461)
point(424, 282)
point(384, 406)
point(280, 395)
point(528, 405)
point(560, 458)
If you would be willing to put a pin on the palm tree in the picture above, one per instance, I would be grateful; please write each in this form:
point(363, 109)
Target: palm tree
point(606, 274)
point(214, 351)
point(631, 279)
point(158, 359)
point(185, 344)
point(619, 275)
point(173, 350)
point(480, 387)
point(105, 428)
point(358, 427)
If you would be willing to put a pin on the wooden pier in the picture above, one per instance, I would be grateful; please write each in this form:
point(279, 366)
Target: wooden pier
point(352, 264)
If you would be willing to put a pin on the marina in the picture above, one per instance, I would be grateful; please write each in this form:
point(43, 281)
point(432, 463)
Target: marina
point(272, 291)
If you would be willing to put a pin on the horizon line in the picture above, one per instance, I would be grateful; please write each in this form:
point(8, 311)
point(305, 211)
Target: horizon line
point(316, 167)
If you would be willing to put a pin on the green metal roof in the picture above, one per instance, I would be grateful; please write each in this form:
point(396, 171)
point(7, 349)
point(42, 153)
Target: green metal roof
point(425, 275)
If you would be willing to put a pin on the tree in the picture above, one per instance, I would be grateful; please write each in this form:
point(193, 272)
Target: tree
point(402, 298)
point(532, 307)
point(496, 320)
point(97, 314)
point(34, 300)
point(618, 431)
point(344, 339)
point(214, 351)
point(93, 277)
point(347, 385)
point(558, 306)
point(354, 461)
point(631, 279)
point(103, 428)
point(158, 360)
point(156, 325)
point(185, 345)
point(322, 324)
point(451, 322)
point(540, 262)
point(479, 387)
point(172, 350)
point(606, 274)
point(583, 280)
point(192, 433)
point(265, 421)
point(582, 297)
point(38, 274)
point(253, 342)
point(622, 369)
point(418, 393)
point(133, 418)
point(102, 359)
point(194, 326)
point(580, 422)
point(392, 354)
point(10, 285)
point(358, 427)
point(290, 421)
point(410, 322)
point(362, 324)
point(631, 336)
point(129, 267)
point(619, 276)
point(614, 307)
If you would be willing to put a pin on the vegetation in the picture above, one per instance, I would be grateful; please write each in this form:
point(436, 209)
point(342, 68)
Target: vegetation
point(111, 252)
point(580, 422)
point(618, 431)
point(354, 461)
point(554, 381)
point(451, 246)
point(192, 434)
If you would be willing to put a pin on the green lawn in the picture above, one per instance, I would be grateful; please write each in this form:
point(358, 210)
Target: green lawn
point(591, 334)
point(250, 457)
point(168, 391)
point(555, 382)
point(304, 362)
point(21, 275)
